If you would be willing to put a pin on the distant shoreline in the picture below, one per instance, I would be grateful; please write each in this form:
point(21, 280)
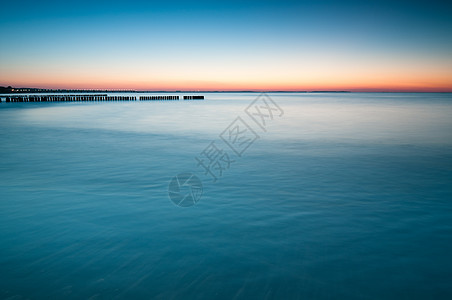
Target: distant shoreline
point(15, 90)
point(12, 90)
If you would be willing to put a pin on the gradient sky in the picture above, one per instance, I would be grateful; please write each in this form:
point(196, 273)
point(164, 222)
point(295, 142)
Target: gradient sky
point(227, 45)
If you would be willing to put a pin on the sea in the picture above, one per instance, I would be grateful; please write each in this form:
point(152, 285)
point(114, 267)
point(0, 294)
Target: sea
point(237, 196)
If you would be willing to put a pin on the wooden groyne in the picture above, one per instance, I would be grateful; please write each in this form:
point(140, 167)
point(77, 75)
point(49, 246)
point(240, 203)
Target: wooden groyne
point(159, 98)
point(193, 97)
point(90, 97)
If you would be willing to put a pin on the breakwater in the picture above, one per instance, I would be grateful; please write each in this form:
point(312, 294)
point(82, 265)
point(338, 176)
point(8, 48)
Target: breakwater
point(91, 97)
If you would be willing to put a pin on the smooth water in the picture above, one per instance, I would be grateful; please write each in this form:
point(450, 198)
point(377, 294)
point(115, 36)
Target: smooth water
point(345, 196)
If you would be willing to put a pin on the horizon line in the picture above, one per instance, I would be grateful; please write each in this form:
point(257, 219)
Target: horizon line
point(13, 90)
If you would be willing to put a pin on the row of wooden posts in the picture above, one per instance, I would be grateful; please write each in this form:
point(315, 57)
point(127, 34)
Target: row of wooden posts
point(94, 97)
point(159, 97)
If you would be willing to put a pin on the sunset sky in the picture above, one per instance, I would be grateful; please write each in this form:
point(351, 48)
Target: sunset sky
point(227, 45)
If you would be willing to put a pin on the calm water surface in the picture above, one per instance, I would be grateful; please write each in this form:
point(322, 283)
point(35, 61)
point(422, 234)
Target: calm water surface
point(346, 196)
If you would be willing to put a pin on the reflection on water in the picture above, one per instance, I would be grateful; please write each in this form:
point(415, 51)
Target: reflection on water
point(345, 196)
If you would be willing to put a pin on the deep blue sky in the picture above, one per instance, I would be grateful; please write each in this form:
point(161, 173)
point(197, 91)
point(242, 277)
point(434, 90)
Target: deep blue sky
point(227, 44)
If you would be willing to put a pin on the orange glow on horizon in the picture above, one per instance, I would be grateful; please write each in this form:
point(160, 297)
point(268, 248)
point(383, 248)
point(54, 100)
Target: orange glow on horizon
point(321, 81)
point(234, 86)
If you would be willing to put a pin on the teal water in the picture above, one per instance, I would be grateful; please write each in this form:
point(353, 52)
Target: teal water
point(346, 196)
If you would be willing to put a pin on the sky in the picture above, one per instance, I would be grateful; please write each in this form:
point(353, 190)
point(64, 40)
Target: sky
point(227, 45)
